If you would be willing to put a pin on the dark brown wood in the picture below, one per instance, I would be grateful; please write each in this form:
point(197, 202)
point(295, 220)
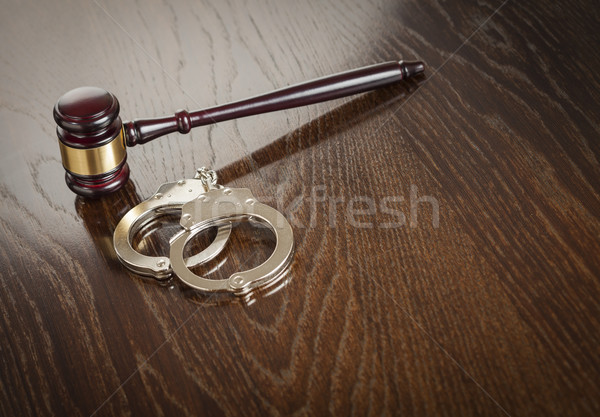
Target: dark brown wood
point(88, 117)
point(97, 186)
point(494, 311)
point(310, 92)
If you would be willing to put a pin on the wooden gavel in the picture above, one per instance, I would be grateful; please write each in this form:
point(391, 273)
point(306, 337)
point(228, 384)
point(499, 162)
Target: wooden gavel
point(93, 139)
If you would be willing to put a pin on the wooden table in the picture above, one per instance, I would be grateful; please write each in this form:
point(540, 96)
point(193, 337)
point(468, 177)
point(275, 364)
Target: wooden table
point(447, 229)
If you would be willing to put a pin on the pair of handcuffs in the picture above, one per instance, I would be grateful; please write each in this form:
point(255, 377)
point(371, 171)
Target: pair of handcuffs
point(203, 204)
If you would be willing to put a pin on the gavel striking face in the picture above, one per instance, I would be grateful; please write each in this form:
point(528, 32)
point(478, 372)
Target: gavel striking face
point(93, 139)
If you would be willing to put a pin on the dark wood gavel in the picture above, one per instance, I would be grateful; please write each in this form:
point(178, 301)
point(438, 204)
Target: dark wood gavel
point(93, 139)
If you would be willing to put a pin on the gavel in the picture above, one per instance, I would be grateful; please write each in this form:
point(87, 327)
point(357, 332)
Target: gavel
point(93, 139)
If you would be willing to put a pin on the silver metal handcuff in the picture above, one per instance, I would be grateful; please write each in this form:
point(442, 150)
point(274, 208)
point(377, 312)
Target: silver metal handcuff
point(168, 199)
point(204, 204)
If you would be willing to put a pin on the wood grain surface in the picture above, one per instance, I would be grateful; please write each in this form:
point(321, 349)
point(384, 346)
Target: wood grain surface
point(447, 229)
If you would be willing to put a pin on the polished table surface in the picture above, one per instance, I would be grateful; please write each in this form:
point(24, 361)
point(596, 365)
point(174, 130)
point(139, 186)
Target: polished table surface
point(447, 229)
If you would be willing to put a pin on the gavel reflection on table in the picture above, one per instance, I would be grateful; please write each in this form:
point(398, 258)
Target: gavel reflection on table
point(93, 139)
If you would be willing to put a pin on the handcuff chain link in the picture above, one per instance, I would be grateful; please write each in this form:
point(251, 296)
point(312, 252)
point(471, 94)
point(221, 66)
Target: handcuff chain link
point(208, 177)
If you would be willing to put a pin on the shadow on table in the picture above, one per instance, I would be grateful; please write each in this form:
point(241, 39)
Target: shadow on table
point(339, 120)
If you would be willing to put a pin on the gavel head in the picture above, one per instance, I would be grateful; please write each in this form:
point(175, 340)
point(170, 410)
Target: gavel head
point(91, 140)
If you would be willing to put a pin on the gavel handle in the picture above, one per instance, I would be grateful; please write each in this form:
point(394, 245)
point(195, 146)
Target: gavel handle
point(310, 92)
